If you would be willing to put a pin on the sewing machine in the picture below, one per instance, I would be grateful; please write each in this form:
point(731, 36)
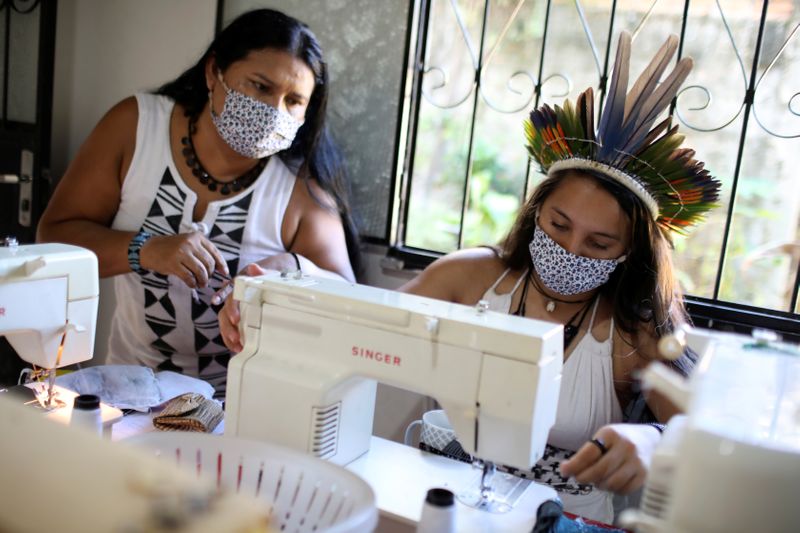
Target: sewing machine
point(48, 311)
point(48, 302)
point(58, 478)
point(732, 463)
point(314, 349)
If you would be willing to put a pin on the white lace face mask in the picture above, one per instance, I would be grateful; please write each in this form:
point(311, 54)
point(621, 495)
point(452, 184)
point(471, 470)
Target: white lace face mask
point(564, 272)
point(253, 128)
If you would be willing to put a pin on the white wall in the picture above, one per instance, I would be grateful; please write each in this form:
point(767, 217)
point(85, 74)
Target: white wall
point(108, 49)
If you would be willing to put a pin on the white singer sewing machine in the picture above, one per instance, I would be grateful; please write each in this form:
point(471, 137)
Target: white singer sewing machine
point(314, 349)
point(732, 463)
point(48, 311)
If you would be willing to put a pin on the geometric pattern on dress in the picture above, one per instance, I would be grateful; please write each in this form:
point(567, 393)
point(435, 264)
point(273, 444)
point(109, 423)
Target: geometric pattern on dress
point(228, 228)
point(163, 218)
point(227, 231)
point(166, 211)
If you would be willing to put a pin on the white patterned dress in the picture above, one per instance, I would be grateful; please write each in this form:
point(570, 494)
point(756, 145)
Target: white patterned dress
point(587, 401)
point(158, 321)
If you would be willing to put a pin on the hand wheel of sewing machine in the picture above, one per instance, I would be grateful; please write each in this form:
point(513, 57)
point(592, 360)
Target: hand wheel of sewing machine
point(302, 493)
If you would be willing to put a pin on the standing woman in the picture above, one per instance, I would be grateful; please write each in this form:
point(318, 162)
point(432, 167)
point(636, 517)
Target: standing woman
point(591, 250)
point(229, 164)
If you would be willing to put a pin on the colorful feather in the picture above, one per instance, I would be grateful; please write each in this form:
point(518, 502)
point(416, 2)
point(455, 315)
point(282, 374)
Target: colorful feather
point(610, 126)
point(647, 159)
point(656, 104)
point(648, 79)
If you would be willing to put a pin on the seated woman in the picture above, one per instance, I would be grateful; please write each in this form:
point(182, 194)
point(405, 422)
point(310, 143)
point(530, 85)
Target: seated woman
point(229, 164)
point(591, 250)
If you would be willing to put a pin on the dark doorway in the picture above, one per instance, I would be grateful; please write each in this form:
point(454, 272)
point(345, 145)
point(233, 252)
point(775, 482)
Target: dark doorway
point(27, 46)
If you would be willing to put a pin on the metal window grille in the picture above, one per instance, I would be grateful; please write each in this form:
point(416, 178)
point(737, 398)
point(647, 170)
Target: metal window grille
point(759, 39)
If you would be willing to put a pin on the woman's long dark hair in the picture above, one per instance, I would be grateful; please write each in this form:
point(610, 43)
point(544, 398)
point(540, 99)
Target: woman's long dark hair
point(313, 154)
point(643, 289)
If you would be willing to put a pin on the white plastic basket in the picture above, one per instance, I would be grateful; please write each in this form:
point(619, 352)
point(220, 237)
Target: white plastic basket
point(304, 494)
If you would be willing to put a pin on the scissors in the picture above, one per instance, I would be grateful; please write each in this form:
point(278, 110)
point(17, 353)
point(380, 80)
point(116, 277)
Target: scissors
point(227, 285)
point(224, 291)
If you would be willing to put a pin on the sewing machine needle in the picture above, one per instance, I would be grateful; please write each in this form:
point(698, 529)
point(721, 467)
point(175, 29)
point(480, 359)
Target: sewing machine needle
point(52, 377)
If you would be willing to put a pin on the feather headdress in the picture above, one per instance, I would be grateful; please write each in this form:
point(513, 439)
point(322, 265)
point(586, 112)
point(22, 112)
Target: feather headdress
point(675, 188)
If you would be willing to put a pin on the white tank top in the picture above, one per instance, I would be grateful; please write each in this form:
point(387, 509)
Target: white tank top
point(587, 401)
point(158, 321)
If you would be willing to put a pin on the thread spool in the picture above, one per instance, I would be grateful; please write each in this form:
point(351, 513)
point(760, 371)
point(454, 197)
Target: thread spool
point(438, 512)
point(86, 413)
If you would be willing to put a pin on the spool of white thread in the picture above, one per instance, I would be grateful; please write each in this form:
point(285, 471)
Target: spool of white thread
point(86, 413)
point(438, 512)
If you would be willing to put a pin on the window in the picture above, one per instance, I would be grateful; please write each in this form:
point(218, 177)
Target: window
point(481, 66)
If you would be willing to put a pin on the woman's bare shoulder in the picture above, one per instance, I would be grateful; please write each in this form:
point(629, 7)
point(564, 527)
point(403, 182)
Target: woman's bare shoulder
point(474, 263)
point(311, 194)
point(123, 113)
point(457, 275)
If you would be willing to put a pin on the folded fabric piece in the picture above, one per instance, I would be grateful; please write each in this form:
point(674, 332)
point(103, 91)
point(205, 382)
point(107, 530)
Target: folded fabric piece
point(121, 386)
point(189, 412)
point(131, 386)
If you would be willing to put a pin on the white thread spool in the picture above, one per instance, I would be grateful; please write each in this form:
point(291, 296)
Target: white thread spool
point(438, 512)
point(86, 413)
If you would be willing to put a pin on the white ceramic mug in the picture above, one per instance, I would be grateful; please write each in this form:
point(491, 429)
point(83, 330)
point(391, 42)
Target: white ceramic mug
point(436, 430)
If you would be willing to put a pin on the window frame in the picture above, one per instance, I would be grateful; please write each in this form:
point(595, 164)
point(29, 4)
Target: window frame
point(712, 313)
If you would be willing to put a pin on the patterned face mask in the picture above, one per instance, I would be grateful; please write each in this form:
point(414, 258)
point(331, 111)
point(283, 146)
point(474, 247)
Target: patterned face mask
point(252, 128)
point(564, 272)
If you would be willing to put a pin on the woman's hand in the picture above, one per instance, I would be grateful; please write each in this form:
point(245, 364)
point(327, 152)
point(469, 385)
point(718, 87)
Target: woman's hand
point(623, 467)
point(189, 256)
point(229, 315)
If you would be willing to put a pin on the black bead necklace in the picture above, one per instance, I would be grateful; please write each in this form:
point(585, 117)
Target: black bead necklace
point(198, 171)
point(551, 301)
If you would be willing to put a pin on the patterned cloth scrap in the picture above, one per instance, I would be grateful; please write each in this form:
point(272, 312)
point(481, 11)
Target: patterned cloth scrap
point(546, 470)
point(189, 412)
